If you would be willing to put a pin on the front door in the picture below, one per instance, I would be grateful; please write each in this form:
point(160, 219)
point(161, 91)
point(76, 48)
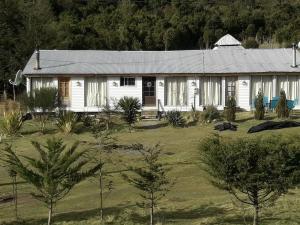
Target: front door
point(149, 96)
point(64, 90)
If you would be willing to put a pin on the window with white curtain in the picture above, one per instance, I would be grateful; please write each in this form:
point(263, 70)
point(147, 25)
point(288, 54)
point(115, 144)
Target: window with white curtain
point(210, 91)
point(39, 82)
point(95, 91)
point(263, 84)
point(176, 91)
point(290, 84)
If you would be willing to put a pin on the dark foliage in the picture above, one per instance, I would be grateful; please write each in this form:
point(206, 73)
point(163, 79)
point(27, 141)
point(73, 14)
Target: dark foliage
point(282, 108)
point(130, 107)
point(230, 109)
point(259, 107)
point(175, 118)
point(210, 113)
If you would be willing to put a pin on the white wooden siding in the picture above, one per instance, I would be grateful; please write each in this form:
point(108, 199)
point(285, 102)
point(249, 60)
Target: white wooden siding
point(116, 92)
point(244, 92)
point(77, 94)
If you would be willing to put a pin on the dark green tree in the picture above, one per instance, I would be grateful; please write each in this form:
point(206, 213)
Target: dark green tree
point(54, 173)
point(230, 109)
point(259, 113)
point(256, 171)
point(150, 179)
point(282, 108)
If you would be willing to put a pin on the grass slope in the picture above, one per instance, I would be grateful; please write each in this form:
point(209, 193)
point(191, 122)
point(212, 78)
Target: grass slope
point(192, 199)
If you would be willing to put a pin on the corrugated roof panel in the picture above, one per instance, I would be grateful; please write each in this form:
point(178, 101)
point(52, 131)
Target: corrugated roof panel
point(163, 62)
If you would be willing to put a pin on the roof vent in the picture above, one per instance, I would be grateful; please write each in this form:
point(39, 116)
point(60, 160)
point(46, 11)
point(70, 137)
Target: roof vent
point(37, 59)
point(294, 64)
point(228, 41)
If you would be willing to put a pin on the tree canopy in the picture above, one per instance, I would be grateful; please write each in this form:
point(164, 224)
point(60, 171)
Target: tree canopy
point(138, 25)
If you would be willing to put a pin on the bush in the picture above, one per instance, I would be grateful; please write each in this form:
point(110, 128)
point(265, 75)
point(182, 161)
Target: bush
point(281, 108)
point(230, 109)
point(11, 123)
point(259, 107)
point(175, 118)
point(210, 113)
point(130, 107)
point(67, 121)
point(42, 101)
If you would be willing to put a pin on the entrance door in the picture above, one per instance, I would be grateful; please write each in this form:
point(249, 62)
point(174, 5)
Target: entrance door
point(149, 96)
point(64, 90)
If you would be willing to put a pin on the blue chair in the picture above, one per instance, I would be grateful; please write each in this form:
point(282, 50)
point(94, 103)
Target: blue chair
point(273, 103)
point(266, 101)
point(290, 104)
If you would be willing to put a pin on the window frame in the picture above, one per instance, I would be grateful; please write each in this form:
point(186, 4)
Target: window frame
point(125, 81)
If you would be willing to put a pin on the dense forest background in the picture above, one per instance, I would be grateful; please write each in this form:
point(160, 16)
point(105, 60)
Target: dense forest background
point(139, 25)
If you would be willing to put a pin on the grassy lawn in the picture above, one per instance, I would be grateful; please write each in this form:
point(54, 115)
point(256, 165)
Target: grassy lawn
point(192, 199)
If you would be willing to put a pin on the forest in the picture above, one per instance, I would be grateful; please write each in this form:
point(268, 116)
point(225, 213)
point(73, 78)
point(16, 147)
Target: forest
point(139, 25)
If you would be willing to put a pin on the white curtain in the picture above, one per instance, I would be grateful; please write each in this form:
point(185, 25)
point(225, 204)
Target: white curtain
point(282, 84)
point(263, 84)
point(95, 91)
point(210, 91)
point(39, 82)
point(176, 91)
point(294, 87)
point(291, 86)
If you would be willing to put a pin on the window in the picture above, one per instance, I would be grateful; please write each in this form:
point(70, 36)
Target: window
point(263, 84)
point(127, 81)
point(95, 91)
point(291, 86)
point(210, 91)
point(176, 91)
point(41, 82)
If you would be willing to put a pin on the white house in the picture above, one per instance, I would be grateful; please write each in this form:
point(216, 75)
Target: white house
point(169, 79)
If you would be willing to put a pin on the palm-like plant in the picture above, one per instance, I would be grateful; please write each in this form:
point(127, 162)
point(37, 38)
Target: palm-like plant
point(11, 123)
point(55, 173)
point(67, 121)
point(130, 107)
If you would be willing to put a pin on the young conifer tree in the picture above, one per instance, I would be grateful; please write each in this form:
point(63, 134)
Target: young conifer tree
point(281, 108)
point(259, 107)
point(150, 179)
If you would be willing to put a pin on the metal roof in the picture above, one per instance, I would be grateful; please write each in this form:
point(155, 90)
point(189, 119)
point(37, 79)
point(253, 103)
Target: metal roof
point(220, 61)
point(228, 40)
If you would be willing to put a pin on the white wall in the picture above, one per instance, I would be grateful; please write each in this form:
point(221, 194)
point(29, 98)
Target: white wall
point(77, 94)
point(116, 92)
point(244, 92)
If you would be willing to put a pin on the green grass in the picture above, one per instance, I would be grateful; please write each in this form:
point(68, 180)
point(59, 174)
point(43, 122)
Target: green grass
point(192, 199)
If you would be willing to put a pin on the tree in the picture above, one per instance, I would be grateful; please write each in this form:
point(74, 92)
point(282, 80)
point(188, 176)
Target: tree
point(230, 109)
point(54, 173)
point(256, 171)
point(259, 107)
point(151, 179)
point(281, 108)
point(130, 107)
point(104, 144)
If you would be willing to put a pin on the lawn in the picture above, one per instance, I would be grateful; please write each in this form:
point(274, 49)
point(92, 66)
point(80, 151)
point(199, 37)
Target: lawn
point(192, 199)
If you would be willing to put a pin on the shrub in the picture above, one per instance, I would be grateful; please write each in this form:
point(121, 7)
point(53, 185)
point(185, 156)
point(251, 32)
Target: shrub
point(130, 107)
point(259, 107)
point(251, 43)
point(42, 101)
point(67, 121)
point(210, 113)
point(175, 118)
point(281, 108)
point(11, 123)
point(230, 109)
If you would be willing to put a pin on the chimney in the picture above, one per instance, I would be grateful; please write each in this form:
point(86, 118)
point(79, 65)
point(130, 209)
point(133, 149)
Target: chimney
point(37, 58)
point(294, 55)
